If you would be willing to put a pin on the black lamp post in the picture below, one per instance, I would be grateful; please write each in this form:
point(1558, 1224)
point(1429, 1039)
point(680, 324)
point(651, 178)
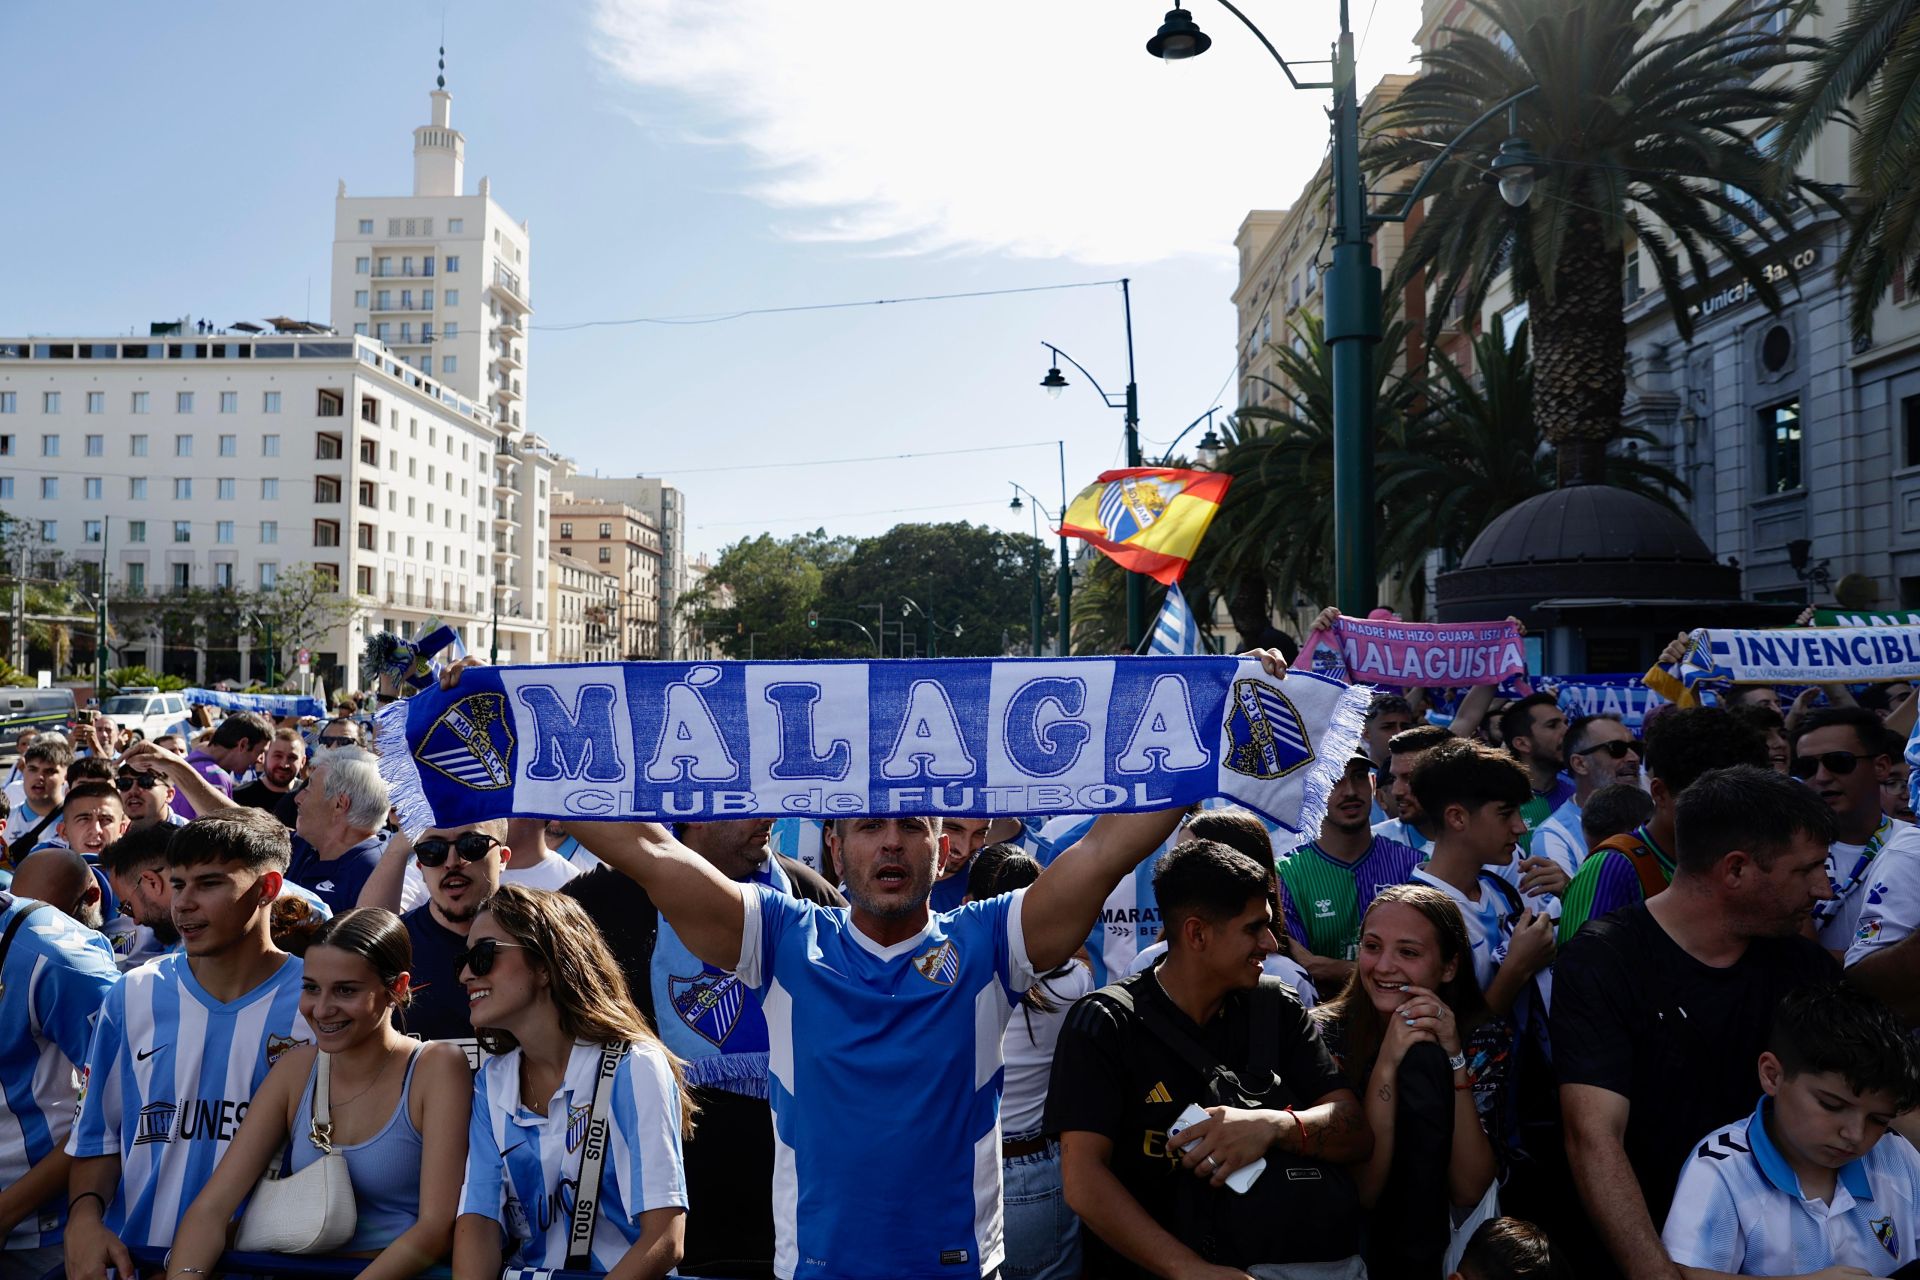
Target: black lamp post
point(1054, 383)
point(1353, 282)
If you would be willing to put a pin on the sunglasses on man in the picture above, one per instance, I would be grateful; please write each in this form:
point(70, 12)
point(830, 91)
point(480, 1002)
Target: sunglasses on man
point(143, 780)
point(478, 959)
point(337, 740)
point(473, 846)
point(1838, 764)
point(1615, 750)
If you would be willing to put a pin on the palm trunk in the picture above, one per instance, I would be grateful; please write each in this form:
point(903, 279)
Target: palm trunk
point(1579, 352)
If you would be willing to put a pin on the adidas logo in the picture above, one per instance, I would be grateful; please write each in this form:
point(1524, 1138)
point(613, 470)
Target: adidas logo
point(1159, 1093)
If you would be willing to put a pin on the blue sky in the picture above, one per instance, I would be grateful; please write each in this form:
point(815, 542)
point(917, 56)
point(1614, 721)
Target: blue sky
point(702, 157)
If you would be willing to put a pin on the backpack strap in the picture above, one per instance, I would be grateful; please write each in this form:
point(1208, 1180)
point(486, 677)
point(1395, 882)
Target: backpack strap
point(1653, 876)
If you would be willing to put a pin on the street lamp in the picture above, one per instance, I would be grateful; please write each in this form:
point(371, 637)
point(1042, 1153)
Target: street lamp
point(934, 629)
point(1209, 447)
point(1352, 322)
point(1130, 402)
point(1065, 583)
point(1039, 608)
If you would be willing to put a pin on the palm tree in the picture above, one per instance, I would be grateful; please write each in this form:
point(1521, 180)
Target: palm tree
point(1476, 449)
point(1876, 52)
point(1647, 140)
point(1274, 532)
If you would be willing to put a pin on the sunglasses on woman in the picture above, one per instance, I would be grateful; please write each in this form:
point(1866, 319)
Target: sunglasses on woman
point(478, 959)
point(1838, 764)
point(1615, 750)
point(473, 846)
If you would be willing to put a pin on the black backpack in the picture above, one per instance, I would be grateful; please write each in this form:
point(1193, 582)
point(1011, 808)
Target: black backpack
point(1300, 1209)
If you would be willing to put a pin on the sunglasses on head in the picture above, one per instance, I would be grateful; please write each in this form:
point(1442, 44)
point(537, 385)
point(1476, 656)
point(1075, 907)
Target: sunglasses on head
point(473, 846)
point(1614, 750)
point(1836, 763)
point(142, 780)
point(478, 959)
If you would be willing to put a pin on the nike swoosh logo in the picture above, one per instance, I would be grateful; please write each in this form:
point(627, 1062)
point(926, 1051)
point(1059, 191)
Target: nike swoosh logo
point(142, 1057)
point(510, 1150)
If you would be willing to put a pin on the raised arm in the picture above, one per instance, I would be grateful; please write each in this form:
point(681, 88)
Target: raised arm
point(707, 910)
point(387, 881)
point(1063, 903)
point(201, 794)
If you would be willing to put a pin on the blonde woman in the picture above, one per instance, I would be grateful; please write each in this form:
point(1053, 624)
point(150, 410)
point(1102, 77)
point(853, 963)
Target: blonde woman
point(548, 1000)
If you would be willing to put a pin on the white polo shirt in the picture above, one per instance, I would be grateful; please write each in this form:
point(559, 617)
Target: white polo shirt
point(1739, 1208)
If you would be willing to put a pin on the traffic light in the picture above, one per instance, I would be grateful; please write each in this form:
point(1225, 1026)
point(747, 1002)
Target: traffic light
point(813, 618)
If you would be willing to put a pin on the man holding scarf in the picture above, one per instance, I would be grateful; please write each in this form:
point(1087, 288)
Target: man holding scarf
point(712, 1023)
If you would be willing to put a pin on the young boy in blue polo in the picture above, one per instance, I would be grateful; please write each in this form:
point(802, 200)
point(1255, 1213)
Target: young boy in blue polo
point(1812, 1179)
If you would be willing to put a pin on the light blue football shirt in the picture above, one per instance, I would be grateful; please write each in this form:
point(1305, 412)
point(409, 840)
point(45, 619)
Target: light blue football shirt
point(523, 1168)
point(56, 976)
point(169, 1076)
point(885, 1076)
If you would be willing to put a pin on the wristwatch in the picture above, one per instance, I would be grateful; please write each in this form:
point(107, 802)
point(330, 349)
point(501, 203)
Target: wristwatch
point(1458, 1062)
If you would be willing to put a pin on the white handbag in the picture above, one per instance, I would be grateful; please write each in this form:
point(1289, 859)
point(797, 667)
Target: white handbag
point(311, 1211)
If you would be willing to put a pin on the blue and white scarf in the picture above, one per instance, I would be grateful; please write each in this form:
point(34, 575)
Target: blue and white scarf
point(412, 665)
point(696, 741)
point(708, 1016)
point(1802, 655)
point(267, 704)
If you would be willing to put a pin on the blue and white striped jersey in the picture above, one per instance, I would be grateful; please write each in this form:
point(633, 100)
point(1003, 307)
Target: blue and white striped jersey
point(1738, 1208)
point(523, 1168)
point(1891, 910)
point(1562, 838)
point(885, 1079)
point(1130, 917)
point(169, 1076)
point(57, 973)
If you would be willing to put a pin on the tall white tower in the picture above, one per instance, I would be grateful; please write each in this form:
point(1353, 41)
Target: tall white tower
point(439, 152)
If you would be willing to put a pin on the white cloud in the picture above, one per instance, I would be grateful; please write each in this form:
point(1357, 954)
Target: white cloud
point(1040, 129)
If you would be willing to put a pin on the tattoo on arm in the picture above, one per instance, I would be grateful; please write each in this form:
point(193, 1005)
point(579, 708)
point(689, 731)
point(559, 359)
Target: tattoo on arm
point(1386, 1093)
point(1343, 1120)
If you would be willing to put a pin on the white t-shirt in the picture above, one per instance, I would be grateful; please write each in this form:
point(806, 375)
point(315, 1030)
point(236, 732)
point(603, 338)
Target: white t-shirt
point(1891, 908)
point(551, 872)
point(1027, 1046)
point(1838, 921)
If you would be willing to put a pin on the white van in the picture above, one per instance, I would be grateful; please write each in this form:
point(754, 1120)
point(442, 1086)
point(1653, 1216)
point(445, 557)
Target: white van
point(148, 710)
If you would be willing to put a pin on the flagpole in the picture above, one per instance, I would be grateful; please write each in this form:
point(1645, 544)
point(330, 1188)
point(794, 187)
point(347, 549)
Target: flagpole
point(1136, 582)
point(1066, 565)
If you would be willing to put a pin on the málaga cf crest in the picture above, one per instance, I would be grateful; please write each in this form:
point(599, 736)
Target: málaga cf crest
point(472, 743)
point(1265, 736)
point(1130, 506)
point(710, 1003)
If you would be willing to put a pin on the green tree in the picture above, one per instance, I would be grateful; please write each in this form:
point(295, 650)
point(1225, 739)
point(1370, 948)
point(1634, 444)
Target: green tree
point(304, 608)
point(958, 575)
point(1647, 140)
point(754, 601)
point(1474, 449)
point(1273, 537)
point(1875, 52)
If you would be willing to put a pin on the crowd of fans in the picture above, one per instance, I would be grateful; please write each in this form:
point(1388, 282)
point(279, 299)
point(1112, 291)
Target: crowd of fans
point(1540, 997)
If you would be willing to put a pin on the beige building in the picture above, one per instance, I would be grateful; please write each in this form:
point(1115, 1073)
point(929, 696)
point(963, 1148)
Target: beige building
point(666, 507)
point(583, 603)
point(622, 540)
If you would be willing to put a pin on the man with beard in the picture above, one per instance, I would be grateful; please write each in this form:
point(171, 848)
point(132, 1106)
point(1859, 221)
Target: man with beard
point(1535, 731)
point(65, 879)
point(1843, 754)
point(279, 769)
point(962, 838)
point(148, 796)
point(1327, 884)
point(461, 867)
point(1600, 751)
point(721, 1034)
point(136, 866)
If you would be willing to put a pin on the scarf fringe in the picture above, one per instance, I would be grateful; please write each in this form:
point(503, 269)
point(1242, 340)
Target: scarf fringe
point(398, 767)
point(741, 1073)
point(1346, 727)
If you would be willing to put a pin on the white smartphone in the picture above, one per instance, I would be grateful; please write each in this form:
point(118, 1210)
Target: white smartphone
point(1240, 1179)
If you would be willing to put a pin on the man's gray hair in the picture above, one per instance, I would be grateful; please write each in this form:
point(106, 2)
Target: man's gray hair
point(353, 772)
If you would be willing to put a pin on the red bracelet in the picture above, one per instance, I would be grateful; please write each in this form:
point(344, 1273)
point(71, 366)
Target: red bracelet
point(1303, 1129)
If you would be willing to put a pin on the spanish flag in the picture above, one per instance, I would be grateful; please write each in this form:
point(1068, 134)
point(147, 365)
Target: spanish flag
point(1147, 519)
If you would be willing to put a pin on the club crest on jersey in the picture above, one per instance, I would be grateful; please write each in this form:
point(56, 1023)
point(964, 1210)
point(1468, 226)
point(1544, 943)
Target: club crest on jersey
point(1266, 738)
point(277, 1045)
point(1883, 1232)
point(939, 964)
point(472, 743)
point(710, 1004)
point(577, 1120)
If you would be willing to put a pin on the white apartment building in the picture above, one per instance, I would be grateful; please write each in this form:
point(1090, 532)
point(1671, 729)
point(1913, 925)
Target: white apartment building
point(441, 278)
point(219, 461)
point(584, 604)
point(666, 506)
